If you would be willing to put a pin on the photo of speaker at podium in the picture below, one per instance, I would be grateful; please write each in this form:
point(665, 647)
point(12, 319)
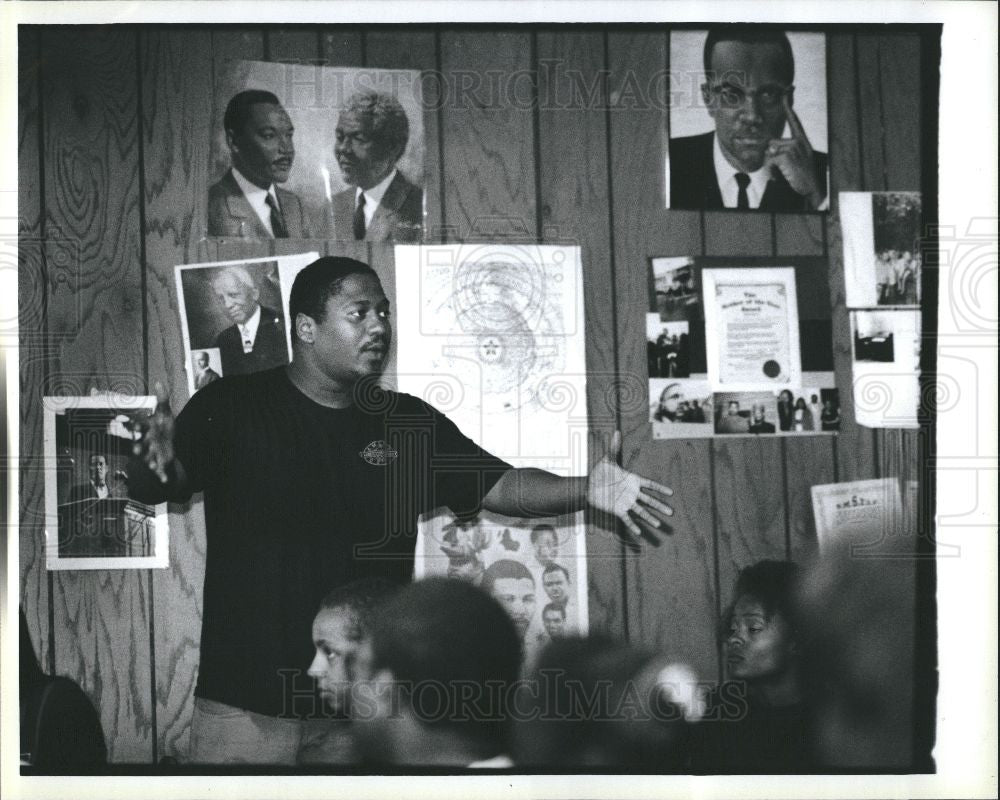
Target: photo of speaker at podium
point(91, 523)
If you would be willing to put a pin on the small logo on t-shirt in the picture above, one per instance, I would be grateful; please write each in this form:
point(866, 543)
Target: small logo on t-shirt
point(378, 454)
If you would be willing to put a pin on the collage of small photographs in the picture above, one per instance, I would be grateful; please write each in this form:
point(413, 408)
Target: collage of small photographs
point(742, 374)
point(882, 272)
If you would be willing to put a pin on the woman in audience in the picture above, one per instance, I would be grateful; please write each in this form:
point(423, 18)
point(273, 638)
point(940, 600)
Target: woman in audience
point(755, 722)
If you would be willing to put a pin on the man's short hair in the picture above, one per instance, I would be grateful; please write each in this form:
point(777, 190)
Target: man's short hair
point(239, 274)
point(389, 127)
point(553, 567)
point(238, 109)
point(504, 569)
point(541, 528)
point(318, 282)
point(554, 607)
point(751, 34)
point(448, 635)
point(360, 598)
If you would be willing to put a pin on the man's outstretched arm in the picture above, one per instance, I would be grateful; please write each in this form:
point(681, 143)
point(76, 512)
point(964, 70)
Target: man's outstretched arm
point(536, 493)
point(156, 475)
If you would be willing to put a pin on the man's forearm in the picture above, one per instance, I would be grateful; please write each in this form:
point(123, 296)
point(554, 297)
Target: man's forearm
point(529, 492)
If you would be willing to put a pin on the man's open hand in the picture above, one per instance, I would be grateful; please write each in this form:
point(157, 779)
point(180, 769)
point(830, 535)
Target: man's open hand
point(795, 160)
point(153, 436)
point(625, 494)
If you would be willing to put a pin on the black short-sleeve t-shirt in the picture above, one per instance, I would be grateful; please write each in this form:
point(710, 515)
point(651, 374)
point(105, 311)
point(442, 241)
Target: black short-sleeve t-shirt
point(300, 499)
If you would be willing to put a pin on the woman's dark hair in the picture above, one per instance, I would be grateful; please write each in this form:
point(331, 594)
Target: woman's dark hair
point(773, 584)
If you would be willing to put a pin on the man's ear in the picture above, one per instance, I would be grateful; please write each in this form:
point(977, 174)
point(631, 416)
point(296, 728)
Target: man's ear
point(791, 96)
point(305, 328)
point(231, 142)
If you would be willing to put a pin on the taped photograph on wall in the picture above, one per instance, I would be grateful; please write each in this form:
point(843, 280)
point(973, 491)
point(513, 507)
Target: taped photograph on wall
point(719, 156)
point(676, 294)
point(536, 569)
point(90, 522)
point(752, 328)
point(304, 151)
point(882, 248)
point(680, 408)
point(668, 348)
point(886, 367)
point(494, 336)
point(232, 315)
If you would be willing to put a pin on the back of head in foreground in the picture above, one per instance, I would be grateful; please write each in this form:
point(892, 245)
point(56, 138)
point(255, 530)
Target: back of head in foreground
point(593, 702)
point(443, 653)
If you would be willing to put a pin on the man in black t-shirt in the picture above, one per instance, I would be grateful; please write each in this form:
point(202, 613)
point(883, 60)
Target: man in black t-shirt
point(314, 477)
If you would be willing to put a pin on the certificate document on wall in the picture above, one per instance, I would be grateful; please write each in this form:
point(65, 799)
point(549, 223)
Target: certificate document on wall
point(751, 328)
point(857, 516)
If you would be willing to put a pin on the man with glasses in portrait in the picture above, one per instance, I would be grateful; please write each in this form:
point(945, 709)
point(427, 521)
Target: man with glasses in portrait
point(745, 163)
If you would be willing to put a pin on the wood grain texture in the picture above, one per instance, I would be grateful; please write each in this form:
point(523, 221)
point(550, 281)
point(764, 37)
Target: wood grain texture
point(487, 127)
point(670, 588)
point(854, 445)
point(799, 234)
point(34, 350)
point(750, 505)
point(808, 462)
point(573, 199)
point(736, 233)
point(901, 110)
point(342, 46)
point(845, 144)
point(416, 49)
point(90, 100)
point(676, 605)
point(177, 112)
point(292, 45)
point(870, 112)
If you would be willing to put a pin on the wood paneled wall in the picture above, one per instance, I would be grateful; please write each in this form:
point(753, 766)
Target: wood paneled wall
point(113, 166)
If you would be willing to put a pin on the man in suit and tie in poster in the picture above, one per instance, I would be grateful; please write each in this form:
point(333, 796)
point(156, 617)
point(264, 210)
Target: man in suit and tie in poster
point(246, 202)
point(745, 163)
point(382, 204)
point(204, 374)
point(256, 339)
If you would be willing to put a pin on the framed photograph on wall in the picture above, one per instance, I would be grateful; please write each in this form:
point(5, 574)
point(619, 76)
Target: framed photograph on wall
point(90, 521)
point(751, 105)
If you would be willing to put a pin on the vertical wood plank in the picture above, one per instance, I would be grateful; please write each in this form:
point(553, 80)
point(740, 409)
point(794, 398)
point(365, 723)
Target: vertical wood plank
point(670, 588)
point(808, 463)
point(489, 165)
point(855, 445)
point(750, 505)
point(574, 210)
point(90, 113)
point(870, 112)
point(799, 234)
point(342, 46)
point(177, 113)
point(293, 45)
point(902, 110)
point(845, 145)
point(33, 348)
point(415, 48)
point(738, 233)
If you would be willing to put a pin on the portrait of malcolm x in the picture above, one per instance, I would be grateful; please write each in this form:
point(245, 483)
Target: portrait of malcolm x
point(752, 134)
